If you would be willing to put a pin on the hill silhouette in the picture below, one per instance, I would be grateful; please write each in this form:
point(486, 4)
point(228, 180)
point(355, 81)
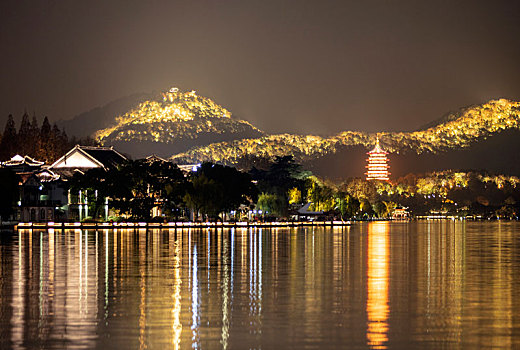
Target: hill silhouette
point(476, 137)
point(499, 153)
point(191, 129)
point(88, 123)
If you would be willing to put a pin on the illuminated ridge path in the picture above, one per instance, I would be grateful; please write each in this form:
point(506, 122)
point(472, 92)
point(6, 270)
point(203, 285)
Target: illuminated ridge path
point(458, 131)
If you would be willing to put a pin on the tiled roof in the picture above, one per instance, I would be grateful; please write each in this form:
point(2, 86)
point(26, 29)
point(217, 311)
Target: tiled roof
point(109, 157)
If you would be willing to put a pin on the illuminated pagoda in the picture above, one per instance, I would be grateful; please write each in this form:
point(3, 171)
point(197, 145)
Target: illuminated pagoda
point(377, 167)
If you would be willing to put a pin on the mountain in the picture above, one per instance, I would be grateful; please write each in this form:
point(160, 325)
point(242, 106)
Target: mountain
point(499, 153)
point(195, 129)
point(173, 122)
point(87, 123)
point(488, 128)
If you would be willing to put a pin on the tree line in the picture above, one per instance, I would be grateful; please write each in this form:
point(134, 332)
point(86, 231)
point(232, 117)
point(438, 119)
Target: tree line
point(42, 142)
point(274, 190)
point(133, 189)
point(277, 189)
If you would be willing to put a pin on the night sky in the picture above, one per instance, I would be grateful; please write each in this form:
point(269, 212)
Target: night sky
point(286, 66)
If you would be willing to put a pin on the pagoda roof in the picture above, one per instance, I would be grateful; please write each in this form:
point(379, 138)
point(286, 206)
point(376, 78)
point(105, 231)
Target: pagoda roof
point(155, 158)
point(377, 148)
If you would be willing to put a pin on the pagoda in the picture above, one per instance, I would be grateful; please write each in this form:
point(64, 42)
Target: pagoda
point(377, 167)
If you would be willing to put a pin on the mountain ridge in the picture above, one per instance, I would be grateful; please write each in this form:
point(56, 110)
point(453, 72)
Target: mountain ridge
point(457, 132)
point(189, 128)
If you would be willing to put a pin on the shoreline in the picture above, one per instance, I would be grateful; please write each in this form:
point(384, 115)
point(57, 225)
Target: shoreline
point(108, 225)
point(241, 224)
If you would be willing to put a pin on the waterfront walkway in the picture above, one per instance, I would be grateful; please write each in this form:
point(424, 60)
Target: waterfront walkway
point(107, 225)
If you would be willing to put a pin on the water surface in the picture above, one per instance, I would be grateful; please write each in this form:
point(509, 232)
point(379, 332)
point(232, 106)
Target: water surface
point(438, 284)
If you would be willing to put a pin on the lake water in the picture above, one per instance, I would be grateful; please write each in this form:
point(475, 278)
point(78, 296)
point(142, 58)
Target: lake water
point(380, 285)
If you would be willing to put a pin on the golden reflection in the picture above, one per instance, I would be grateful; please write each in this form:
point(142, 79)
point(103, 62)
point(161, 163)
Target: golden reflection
point(176, 308)
point(195, 302)
point(51, 262)
point(225, 296)
point(19, 301)
point(454, 285)
point(377, 285)
point(142, 289)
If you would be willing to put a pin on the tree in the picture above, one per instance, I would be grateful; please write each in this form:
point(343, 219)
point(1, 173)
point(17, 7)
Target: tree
point(44, 144)
point(34, 132)
point(250, 161)
point(271, 204)
point(24, 136)
point(321, 196)
point(134, 188)
point(283, 175)
point(295, 196)
point(380, 209)
point(228, 188)
point(361, 189)
point(389, 207)
point(9, 140)
point(201, 196)
point(167, 185)
point(365, 207)
point(347, 205)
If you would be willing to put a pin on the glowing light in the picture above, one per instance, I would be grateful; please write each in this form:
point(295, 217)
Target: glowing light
point(176, 310)
point(179, 114)
point(377, 164)
point(377, 285)
point(458, 132)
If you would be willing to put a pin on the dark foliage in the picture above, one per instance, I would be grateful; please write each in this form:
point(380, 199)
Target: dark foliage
point(216, 188)
point(9, 192)
point(134, 188)
point(46, 143)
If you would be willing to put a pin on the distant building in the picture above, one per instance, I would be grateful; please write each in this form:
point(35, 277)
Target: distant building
point(88, 157)
point(155, 158)
point(400, 213)
point(43, 197)
point(44, 189)
point(82, 159)
point(307, 214)
point(377, 167)
point(189, 168)
point(21, 165)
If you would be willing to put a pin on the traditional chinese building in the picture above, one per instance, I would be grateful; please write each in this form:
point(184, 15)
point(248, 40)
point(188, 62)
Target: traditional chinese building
point(81, 159)
point(400, 213)
point(23, 165)
point(377, 164)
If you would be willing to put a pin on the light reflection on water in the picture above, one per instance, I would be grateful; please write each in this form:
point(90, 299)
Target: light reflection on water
point(377, 285)
point(374, 285)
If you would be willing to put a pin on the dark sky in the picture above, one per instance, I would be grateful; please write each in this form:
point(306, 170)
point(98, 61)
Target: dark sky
point(300, 66)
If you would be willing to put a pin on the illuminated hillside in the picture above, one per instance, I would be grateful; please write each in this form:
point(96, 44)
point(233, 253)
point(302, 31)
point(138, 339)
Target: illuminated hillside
point(176, 119)
point(458, 132)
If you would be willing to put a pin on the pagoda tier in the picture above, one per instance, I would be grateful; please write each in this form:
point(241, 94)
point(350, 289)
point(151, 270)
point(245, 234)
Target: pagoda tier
point(377, 167)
